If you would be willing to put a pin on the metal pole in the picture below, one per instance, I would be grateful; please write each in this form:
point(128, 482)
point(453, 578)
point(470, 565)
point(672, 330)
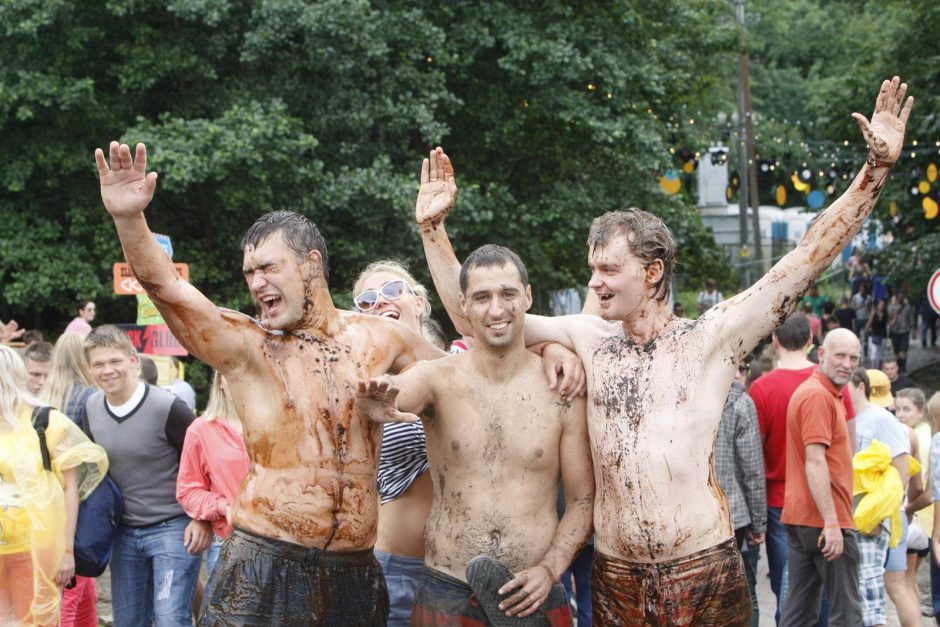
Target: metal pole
point(743, 173)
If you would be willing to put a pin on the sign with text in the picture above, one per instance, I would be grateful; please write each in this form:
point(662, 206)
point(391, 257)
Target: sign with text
point(126, 284)
point(147, 312)
point(155, 339)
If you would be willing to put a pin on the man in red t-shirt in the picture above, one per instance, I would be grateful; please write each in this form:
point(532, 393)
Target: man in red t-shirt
point(771, 394)
point(817, 510)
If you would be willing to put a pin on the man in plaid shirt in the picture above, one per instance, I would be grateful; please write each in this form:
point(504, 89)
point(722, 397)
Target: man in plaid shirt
point(739, 464)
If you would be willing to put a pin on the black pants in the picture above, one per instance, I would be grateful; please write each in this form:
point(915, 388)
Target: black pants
point(259, 581)
point(810, 571)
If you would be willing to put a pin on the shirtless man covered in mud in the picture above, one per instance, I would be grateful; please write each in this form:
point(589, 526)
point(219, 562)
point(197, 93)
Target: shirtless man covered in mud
point(305, 517)
point(498, 442)
point(656, 385)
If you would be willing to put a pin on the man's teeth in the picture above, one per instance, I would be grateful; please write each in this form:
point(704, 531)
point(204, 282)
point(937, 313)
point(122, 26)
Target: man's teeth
point(499, 325)
point(390, 314)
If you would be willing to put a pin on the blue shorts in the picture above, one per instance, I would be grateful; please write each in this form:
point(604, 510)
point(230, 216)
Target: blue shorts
point(897, 556)
point(402, 575)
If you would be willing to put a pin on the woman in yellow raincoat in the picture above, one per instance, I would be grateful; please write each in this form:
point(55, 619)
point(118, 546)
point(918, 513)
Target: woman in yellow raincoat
point(38, 509)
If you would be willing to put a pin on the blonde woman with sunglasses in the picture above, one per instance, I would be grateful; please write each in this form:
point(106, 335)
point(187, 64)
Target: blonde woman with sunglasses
point(387, 289)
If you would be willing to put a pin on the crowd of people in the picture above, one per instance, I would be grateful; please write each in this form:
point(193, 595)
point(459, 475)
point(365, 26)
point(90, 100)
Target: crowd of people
point(349, 471)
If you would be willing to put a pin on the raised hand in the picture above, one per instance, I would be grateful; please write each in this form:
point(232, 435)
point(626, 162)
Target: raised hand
point(10, 331)
point(438, 190)
point(126, 187)
point(376, 401)
point(884, 134)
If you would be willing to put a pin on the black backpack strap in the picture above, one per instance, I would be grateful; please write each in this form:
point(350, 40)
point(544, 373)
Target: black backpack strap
point(40, 424)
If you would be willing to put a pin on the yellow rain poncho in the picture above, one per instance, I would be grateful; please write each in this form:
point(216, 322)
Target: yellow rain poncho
point(879, 481)
point(32, 512)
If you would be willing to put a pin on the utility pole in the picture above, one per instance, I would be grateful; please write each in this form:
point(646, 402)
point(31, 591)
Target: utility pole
point(746, 148)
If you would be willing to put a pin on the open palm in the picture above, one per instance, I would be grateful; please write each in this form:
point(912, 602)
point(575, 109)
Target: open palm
point(126, 187)
point(438, 191)
point(884, 134)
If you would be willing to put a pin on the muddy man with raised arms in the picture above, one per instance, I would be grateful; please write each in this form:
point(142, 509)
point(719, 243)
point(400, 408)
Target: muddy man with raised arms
point(305, 517)
point(657, 383)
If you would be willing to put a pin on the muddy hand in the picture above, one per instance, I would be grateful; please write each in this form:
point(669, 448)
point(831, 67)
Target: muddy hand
point(376, 401)
point(126, 187)
point(532, 588)
point(884, 134)
point(438, 191)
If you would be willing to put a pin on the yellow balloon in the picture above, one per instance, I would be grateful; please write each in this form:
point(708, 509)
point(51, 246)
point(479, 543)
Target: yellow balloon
point(924, 187)
point(932, 172)
point(930, 208)
point(798, 185)
point(670, 186)
point(729, 193)
point(893, 209)
point(689, 166)
point(781, 195)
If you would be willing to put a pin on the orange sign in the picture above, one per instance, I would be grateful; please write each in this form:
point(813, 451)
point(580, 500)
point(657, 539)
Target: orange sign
point(126, 284)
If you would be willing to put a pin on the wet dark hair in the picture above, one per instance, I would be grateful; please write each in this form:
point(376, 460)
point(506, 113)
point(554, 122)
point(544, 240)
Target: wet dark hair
point(647, 237)
point(491, 256)
point(861, 376)
point(81, 304)
point(299, 233)
point(794, 332)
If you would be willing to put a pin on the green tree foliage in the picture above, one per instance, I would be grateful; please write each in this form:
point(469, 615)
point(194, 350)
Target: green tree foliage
point(553, 113)
point(816, 61)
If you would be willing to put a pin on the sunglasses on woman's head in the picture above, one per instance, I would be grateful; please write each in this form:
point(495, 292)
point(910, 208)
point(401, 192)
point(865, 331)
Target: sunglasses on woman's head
point(390, 290)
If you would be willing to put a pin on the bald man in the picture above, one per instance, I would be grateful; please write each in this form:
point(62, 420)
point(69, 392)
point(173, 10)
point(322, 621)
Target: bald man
point(817, 509)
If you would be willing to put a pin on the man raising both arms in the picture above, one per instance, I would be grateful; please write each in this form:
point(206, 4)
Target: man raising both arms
point(657, 384)
point(498, 442)
point(305, 517)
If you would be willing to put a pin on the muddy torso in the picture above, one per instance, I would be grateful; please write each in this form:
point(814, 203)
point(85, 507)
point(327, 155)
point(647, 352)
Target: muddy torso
point(494, 454)
point(653, 412)
point(313, 474)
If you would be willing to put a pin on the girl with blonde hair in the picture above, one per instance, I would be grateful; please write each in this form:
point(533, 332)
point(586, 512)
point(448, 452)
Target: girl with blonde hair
point(67, 389)
point(70, 382)
point(38, 508)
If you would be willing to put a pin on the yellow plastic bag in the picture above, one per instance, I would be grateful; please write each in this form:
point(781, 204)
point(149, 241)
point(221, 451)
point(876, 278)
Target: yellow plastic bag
point(879, 481)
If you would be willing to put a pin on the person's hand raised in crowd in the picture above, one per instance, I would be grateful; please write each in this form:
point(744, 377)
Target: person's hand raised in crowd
point(10, 331)
point(438, 191)
point(884, 134)
point(126, 187)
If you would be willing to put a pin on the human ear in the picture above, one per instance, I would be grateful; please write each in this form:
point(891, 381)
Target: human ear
point(654, 272)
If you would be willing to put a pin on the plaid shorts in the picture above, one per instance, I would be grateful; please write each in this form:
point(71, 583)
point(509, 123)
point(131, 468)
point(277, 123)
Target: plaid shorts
point(871, 577)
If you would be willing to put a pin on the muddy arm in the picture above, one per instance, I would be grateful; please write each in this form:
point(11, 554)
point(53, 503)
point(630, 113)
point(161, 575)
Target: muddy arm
point(126, 190)
point(577, 472)
point(754, 313)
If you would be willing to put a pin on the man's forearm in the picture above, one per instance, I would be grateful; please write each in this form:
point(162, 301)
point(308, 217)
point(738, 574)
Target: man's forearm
point(817, 476)
point(573, 532)
point(148, 260)
point(445, 271)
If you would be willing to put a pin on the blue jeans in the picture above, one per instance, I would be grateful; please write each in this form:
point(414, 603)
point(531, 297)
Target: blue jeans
point(580, 570)
point(153, 578)
point(777, 550)
point(750, 553)
point(402, 576)
point(212, 553)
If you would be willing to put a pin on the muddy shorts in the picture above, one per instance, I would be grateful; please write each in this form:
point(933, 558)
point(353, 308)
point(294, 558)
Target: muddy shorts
point(705, 588)
point(259, 581)
point(442, 600)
